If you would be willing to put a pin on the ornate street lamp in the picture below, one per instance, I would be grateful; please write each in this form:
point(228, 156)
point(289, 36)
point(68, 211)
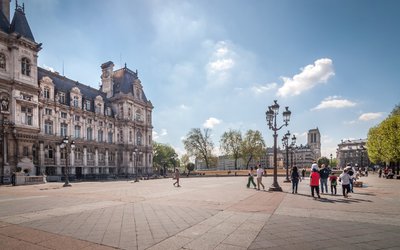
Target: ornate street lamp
point(68, 145)
point(331, 159)
point(271, 114)
point(137, 153)
point(285, 142)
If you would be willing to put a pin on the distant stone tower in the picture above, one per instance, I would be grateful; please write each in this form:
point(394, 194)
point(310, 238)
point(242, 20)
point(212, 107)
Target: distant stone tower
point(314, 142)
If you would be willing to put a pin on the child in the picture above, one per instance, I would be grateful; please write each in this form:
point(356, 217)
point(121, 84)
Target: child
point(333, 180)
point(314, 182)
point(177, 177)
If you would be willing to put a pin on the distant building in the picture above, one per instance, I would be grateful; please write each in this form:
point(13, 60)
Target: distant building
point(352, 152)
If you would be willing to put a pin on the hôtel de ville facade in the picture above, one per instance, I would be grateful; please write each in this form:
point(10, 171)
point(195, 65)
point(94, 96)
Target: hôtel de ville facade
point(111, 126)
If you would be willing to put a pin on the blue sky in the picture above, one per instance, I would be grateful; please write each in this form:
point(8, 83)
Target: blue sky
point(220, 64)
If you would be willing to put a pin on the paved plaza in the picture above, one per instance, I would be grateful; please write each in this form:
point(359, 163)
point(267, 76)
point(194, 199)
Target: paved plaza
point(205, 213)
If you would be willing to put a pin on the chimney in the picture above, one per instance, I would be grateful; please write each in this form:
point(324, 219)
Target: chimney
point(5, 8)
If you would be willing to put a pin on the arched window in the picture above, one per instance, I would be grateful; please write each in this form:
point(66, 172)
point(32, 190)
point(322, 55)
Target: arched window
point(89, 134)
point(26, 66)
point(2, 61)
point(138, 138)
point(46, 93)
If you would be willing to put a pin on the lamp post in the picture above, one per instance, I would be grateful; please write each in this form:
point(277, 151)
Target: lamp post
point(362, 148)
point(331, 160)
point(136, 164)
point(285, 142)
point(271, 114)
point(68, 145)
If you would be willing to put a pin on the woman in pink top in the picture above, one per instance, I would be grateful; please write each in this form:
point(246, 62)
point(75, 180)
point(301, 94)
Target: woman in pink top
point(314, 182)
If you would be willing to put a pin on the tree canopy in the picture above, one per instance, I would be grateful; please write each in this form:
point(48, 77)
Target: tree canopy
point(253, 146)
point(231, 144)
point(199, 144)
point(164, 155)
point(384, 139)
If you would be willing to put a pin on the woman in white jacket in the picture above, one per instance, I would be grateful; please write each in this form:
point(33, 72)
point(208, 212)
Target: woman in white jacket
point(345, 178)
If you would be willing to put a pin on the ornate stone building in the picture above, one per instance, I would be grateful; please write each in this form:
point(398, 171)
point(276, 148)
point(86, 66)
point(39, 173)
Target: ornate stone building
point(111, 126)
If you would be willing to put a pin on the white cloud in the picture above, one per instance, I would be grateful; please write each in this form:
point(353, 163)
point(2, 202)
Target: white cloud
point(309, 77)
point(211, 122)
point(184, 107)
point(221, 62)
point(260, 89)
point(157, 136)
point(48, 68)
point(163, 132)
point(370, 116)
point(334, 102)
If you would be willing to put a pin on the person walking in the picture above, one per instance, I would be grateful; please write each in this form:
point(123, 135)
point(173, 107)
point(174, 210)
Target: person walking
point(295, 179)
point(251, 178)
point(324, 174)
point(177, 175)
point(345, 178)
point(314, 182)
point(260, 173)
point(303, 173)
point(380, 172)
point(333, 180)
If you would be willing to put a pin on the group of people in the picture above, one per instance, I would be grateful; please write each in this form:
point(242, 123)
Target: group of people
point(258, 174)
point(318, 177)
point(321, 176)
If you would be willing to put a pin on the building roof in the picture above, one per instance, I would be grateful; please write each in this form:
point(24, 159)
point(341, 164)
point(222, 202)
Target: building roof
point(4, 24)
point(64, 84)
point(20, 25)
point(123, 82)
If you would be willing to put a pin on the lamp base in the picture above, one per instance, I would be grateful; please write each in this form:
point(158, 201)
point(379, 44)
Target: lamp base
point(287, 180)
point(275, 188)
point(67, 185)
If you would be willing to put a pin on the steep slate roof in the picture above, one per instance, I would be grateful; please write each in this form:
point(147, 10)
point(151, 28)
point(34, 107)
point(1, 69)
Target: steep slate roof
point(63, 84)
point(4, 24)
point(123, 81)
point(20, 25)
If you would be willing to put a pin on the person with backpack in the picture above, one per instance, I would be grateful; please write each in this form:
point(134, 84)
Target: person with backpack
point(333, 180)
point(295, 179)
point(324, 174)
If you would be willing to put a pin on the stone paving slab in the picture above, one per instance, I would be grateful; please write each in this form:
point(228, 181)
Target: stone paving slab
point(205, 213)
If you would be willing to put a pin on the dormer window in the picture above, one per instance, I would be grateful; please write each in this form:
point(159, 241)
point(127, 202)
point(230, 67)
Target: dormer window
point(46, 93)
point(88, 105)
point(62, 97)
point(2, 61)
point(76, 102)
point(26, 66)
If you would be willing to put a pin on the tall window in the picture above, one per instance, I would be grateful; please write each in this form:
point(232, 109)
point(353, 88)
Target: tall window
point(78, 153)
point(130, 136)
point(61, 97)
point(89, 134)
point(46, 93)
point(64, 129)
point(2, 61)
point(48, 152)
point(64, 115)
point(110, 137)
point(121, 136)
point(88, 107)
point(26, 116)
point(48, 111)
point(76, 102)
point(25, 152)
point(77, 118)
point(100, 135)
point(89, 154)
point(48, 127)
point(26, 66)
point(138, 116)
point(77, 131)
point(138, 138)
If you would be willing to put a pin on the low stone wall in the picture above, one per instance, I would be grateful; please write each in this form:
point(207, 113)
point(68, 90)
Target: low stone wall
point(29, 180)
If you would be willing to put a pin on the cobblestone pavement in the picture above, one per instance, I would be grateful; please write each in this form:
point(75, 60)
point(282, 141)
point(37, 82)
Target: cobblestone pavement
point(205, 213)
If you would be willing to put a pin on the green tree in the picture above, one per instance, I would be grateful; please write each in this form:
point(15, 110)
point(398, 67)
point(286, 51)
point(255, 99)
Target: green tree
point(199, 144)
point(231, 144)
point(164, 156)
point(253, 146)
point(396, 110)
point(323, 160)
point(184, 160)
point(384, 140)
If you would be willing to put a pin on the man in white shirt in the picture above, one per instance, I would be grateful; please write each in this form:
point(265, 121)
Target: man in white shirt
point(260, 172)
